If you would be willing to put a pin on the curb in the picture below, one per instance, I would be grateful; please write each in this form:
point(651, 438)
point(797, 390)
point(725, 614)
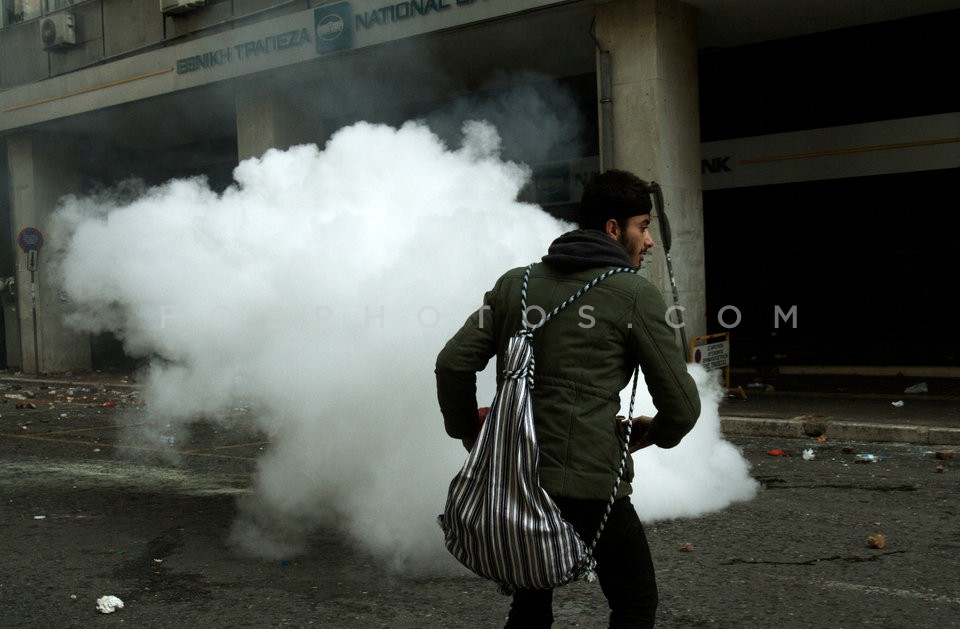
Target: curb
point(79, 382)
point(843, 430)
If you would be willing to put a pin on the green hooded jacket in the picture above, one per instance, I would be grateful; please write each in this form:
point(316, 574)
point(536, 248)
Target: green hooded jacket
point(585, 356)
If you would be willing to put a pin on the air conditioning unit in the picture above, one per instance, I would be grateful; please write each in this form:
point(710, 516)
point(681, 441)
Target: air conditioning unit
point(58, 30)
point(181, 6)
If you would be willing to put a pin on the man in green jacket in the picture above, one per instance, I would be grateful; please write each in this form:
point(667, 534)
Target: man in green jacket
point(585, 356)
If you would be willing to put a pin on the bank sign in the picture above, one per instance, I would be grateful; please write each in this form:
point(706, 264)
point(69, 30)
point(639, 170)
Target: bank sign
point(336, 26)
point(331, 24)
point(336, 23)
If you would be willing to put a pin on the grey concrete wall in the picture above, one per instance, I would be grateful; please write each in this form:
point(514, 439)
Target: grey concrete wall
point(656, 130)
point(216, 12)
point(22, 58)
point(88, 18)
point(42, 169)
point(126, 26)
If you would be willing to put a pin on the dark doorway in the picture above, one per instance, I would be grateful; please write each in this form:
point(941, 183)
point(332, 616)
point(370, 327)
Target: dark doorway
point(867, 263)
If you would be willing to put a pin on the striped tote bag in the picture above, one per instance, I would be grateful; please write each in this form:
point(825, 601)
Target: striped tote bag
point(498, 521)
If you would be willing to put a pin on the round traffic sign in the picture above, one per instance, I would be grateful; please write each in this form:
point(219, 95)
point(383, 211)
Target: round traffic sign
point(30, 239)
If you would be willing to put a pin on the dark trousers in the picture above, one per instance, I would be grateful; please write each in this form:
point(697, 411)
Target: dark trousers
point(624, 568)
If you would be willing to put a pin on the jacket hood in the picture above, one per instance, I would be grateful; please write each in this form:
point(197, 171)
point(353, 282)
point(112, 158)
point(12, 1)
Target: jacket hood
point(585, 249)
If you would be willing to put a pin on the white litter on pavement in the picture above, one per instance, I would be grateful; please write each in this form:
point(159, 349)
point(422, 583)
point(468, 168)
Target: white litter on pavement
point(808, 454)
point(108, 604)
point(898, 403)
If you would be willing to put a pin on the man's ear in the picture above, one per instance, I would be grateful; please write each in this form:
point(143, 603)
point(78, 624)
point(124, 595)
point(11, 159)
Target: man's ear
point(612, 228)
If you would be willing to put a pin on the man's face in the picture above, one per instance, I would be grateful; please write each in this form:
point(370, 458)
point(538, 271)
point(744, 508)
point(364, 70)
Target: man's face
point(635, 237)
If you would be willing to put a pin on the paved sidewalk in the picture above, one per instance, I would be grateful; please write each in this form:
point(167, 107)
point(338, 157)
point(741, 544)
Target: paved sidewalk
point(907, 418)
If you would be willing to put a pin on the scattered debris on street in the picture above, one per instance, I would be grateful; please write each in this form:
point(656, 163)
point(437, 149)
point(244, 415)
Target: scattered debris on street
point(108, 604)
point(877, 541)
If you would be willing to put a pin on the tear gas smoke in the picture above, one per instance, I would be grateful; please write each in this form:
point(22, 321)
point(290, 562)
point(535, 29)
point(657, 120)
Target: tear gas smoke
point(702, 474)
point(318, 291)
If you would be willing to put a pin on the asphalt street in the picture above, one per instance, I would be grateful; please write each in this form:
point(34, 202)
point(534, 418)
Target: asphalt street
point(827, 542)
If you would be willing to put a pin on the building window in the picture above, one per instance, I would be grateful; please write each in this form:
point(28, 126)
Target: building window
point(15, 11)
point(55, 5)
point(19, 10)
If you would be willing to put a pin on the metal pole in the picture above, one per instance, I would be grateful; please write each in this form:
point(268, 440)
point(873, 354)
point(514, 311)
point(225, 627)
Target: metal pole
point(665, 238)
point(33, 308)
point(606, 102)
point(606, 113)
point(31, 240)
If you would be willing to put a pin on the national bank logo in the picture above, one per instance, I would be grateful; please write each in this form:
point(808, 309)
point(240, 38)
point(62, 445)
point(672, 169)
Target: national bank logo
point(332, 27)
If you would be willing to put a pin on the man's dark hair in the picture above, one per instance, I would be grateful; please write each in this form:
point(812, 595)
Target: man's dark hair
point(613, 194)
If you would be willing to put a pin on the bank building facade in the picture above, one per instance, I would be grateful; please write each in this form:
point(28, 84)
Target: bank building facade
point(807, 150)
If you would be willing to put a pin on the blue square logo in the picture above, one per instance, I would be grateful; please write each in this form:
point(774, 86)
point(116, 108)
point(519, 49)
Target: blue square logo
point(331, 27)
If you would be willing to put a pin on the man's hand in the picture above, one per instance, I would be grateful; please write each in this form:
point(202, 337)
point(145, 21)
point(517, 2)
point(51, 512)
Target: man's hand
point(481, 417)
point(638, 433)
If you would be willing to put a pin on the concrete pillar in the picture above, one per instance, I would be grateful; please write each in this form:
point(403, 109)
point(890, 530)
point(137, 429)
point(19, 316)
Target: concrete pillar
point(264, 120)
point(42, 168)
point(654, 115)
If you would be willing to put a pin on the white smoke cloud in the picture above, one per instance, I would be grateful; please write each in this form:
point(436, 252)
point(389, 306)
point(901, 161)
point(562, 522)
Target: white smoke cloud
point(704, 473)
point(318, 291)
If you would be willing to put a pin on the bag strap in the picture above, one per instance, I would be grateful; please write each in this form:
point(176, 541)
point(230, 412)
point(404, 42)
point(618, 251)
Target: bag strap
point(527, 329)
point(624, 453)
point(572, 298)
point(527, 372)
